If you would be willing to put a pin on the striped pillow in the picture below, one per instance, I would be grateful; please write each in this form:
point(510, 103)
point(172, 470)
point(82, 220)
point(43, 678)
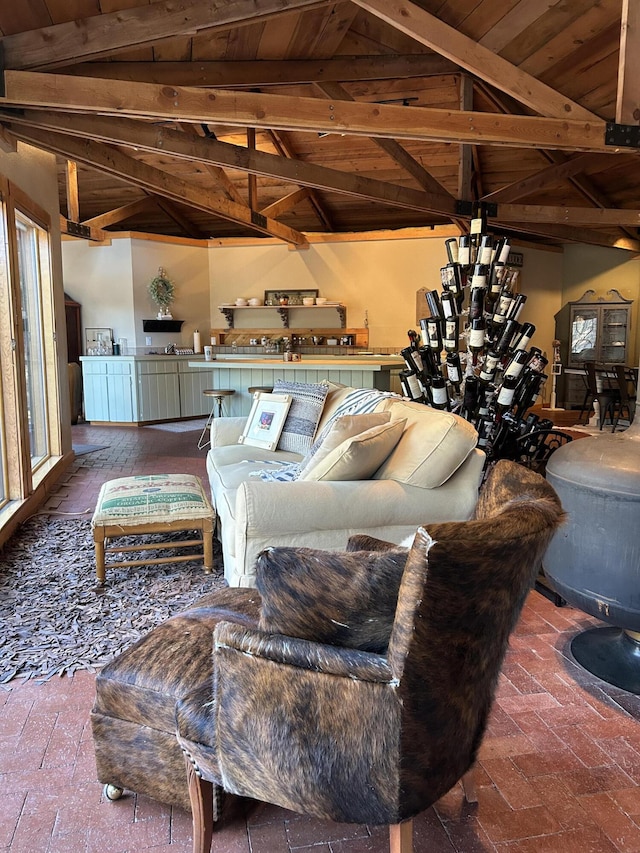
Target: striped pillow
point(307, 402)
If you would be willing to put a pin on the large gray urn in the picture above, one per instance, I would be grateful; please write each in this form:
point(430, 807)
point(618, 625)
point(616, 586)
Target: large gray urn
point(593, 561)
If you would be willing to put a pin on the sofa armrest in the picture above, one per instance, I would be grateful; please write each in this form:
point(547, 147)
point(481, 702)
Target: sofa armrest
point(292, 651)
point(226, 431)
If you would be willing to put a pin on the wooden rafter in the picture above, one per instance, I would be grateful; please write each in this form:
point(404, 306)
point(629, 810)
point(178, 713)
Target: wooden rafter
point(71, 185)
point(119, 214)
point(264, 72)
point(101, 35)
point(251, 109)
point(114, 162)
point(218, 174)
point(284, 149)
point(628, 99)
point(478, 60)
point(288, 202)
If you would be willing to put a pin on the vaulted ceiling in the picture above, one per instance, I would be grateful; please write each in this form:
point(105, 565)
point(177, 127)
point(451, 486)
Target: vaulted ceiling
point(206, 118)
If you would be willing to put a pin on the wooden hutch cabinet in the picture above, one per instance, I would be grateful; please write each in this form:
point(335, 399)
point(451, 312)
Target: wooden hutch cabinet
point(592, 328)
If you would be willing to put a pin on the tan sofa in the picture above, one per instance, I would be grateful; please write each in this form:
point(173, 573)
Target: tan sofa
point(432, 474)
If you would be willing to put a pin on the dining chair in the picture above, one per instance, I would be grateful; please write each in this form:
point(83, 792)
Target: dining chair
point(627, 398)
point(329, 728)
point(607, 398)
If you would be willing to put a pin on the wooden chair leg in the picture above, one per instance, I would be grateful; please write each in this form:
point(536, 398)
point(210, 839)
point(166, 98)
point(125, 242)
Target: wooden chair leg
point(201, 794)
point(469, 786)
point(401, 837)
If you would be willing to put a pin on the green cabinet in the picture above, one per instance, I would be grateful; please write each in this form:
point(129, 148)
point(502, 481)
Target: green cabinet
point(109, 393)
point(158, 390)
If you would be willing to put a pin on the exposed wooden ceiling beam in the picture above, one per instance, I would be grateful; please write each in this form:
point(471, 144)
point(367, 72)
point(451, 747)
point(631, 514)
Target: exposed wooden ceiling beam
point(628, 99)
point(247, 109)
point(218, 174)
point(146, 136)
point(119, 214)
point(465, 160)
point(566, 234)
point(156, 181)
point(95, 235)
point(264, 72)
point(111, 32)
point(594, 216)
point(397, 153)
point(467, 53)
point(287, 202)
point(550, 175)
point(71, 186)
point(284, 149)
point(179, 218)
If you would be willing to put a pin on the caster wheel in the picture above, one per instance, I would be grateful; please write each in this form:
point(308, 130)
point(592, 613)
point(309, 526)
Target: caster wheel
point(112, 792)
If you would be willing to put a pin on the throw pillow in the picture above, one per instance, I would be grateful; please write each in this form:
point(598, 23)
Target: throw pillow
point(303, 416)
point(344, 599)
point(433, 446)
point(359, 457)
point(340, 430)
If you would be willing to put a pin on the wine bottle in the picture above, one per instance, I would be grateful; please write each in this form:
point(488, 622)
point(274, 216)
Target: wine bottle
point(490, 367)
point(451, 246)
point(504, 399)
point(476, 302)
point(479, 277)
point(411, 386)
point(439, 393)
point(430, 361)
point(503, 342)
point(434, 334)
point(464, 251)
point(502, 307)
point(502, 250)
point(448, 303)
point(485, 254)
point(476, 337)
point(454, 370)
point(451, 336)
point(412, 359)
point(485, 429)
point(521, 341)
point(515, 309)
point(517, 363)
point(413, 337)
point(433, 301)
point(470, 398)
point(537, 361)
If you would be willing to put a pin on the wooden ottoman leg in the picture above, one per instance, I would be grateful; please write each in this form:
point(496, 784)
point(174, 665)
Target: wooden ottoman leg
point(98, 539)
point(207, 543)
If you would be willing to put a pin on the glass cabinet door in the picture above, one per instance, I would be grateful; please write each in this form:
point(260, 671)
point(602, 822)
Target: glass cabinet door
point(613, 349)
point(583, 335)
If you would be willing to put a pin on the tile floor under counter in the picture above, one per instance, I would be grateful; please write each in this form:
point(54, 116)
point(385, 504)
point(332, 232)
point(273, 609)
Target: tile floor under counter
point(559, 767)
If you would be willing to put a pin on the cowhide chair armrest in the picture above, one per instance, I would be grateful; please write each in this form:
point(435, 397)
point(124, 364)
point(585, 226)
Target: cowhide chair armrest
point(304, 654)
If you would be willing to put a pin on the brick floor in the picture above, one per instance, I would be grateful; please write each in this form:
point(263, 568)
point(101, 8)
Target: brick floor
point(559, 768)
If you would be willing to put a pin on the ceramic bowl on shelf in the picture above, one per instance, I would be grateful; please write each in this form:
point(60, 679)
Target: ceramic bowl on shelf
point(321, 300)
point(240, 302)
point(255, 301)
point(308, 300)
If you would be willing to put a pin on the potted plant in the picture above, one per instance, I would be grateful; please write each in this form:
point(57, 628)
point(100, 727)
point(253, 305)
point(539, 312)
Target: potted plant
point(162, 292)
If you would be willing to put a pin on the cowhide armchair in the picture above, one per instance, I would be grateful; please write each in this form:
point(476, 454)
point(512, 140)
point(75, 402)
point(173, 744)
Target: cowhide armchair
point(318, 714)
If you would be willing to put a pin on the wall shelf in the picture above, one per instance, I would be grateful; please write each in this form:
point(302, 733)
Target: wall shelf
point(162, 325)
point(283, 311)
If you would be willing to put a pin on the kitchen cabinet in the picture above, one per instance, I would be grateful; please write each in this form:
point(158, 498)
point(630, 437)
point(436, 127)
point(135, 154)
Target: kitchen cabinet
point(142, 389)
point(158, 390)
point(109, 393)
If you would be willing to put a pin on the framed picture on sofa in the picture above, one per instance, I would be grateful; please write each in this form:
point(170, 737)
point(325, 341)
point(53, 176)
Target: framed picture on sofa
point(266, 419)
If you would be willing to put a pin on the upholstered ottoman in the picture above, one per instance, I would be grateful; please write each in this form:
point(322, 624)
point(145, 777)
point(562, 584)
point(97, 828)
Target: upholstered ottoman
point(153, 503)
point(133, 718)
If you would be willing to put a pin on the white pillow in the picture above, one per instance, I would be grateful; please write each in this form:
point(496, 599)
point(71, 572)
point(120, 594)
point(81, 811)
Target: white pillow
point(358, 457)
point(340, 430)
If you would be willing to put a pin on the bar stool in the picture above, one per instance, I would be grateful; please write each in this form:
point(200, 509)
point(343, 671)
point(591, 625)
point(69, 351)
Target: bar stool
point(265, 389)
point(218, 395)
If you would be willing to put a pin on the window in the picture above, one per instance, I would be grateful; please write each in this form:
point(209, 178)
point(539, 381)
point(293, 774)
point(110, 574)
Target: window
point(30, 439)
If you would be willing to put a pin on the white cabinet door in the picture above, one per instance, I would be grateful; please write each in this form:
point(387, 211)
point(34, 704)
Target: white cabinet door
point(158, 390)
point(193, 382)
point(94, 388)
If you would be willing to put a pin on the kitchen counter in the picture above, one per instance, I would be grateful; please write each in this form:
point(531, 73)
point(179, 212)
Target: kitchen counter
point(244, 371)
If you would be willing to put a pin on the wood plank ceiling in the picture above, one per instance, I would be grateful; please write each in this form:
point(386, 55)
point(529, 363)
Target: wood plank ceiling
point(220, 118)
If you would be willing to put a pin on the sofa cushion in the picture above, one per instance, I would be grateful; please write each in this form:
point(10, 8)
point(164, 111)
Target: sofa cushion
point(358, 457)
point(433, 445)
point(339, 430)
point(304, 414)
point(339, 598)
